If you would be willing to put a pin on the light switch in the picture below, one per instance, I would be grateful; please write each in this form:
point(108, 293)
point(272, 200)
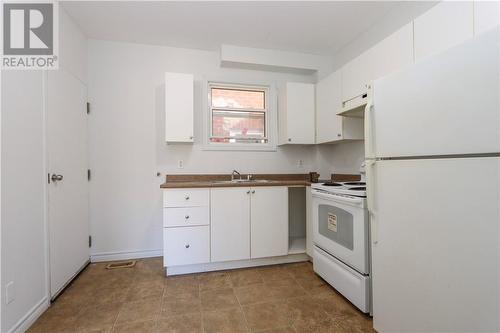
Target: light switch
point(10, 293)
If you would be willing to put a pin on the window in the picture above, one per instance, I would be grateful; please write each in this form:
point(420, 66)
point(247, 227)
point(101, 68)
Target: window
point(238, 114)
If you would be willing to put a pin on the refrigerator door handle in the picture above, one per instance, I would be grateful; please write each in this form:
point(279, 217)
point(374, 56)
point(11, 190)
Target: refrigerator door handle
point(370, 164)
point(368, 124)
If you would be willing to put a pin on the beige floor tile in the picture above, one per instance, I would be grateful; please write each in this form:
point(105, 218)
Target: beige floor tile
point(186, 323)
point(181, 285)
point(245, 277)
point(256, 293)
point(285, 288)
point(129, 300)
point(275, 272)
point(137, 327)
point(218, 299)
point(97, 317)
point(139, 311)
point(265, 316)
point(214, 280)
point(224, 321)
point(180, 305)
point(146, 289)
point(279, 330)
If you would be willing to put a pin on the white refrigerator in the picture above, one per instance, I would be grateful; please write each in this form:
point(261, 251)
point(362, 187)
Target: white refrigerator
point(433, 172)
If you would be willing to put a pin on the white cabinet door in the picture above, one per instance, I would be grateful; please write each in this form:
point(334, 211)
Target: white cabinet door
point(179, 101)
point(328, 103)
point(330, 127)
point(443, 26)
point(269, 221)
point(355, 76)
point(186, 245)
point(230, 223)
point(393, 53)
point(297, 115)
point(486, 15)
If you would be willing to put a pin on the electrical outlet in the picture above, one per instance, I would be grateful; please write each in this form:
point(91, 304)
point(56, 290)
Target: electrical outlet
point(300, 163)
point(10, 292)
point(180, 164)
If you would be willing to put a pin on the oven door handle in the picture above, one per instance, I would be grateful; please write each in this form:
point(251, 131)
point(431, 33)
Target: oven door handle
point(336, 197)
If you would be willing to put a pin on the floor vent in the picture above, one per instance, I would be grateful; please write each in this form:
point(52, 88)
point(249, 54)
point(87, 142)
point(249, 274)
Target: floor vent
point(121, 264)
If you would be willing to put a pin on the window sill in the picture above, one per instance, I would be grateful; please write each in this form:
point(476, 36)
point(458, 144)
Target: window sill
point(238, 147)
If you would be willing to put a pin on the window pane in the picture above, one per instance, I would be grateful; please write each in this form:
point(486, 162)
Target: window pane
point(238, 125)
point(238, 99)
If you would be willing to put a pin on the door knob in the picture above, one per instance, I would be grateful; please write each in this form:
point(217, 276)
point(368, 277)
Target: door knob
point(56, 178)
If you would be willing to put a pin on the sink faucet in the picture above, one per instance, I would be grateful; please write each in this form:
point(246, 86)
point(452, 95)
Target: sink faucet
point(235, 173)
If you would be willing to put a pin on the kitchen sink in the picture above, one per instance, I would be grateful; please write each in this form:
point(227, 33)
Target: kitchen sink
point(238, 181)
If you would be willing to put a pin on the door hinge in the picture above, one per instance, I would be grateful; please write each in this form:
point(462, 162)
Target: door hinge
point(90, 241)
point(88, 107)
point(88, 174)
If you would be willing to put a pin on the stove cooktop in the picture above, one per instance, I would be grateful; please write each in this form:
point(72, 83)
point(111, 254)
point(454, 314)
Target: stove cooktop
point(357, 189)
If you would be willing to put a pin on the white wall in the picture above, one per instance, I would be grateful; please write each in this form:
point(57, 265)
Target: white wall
point(23, 194)
point(345, 157)
point(126, 138)
point(23, 174)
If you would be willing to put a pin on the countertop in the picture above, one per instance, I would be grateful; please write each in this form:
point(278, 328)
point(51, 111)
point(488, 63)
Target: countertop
point(217, 180)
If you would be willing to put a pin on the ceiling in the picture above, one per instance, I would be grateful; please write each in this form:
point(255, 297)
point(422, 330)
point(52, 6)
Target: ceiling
point(321, 28)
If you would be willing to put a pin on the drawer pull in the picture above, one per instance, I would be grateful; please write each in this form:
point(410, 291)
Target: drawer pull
point(187, 217)
point(187, 246)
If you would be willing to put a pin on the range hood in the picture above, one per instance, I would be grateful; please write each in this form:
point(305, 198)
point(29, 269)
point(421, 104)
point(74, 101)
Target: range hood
point(355, 107)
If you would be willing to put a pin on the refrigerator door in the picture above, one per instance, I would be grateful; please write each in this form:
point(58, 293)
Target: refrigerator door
point(435, 245)
point(448, 104)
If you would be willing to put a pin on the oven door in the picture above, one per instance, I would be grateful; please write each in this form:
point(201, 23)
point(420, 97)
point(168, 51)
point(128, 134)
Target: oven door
point(340, 227)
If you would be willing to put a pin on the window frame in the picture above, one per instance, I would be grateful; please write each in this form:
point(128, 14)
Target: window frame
point(270, 116)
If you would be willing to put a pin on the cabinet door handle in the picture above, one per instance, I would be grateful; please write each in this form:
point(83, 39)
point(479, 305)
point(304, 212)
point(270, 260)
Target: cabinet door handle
point(253, 191)
point(187, 217)
point(187, 197)
point(248, 192)
point(187, 246)
point(289, 140)
point(339, 135)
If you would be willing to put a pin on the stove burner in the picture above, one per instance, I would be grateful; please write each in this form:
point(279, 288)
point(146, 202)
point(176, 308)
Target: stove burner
point(357, 189)
point(355, 183)
point(332, 184)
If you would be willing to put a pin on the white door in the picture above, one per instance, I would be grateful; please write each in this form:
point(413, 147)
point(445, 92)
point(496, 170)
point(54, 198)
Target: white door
point(447, 104)
point(436, 258)
point(230, 223)
point(269, 221)
point(68, 161)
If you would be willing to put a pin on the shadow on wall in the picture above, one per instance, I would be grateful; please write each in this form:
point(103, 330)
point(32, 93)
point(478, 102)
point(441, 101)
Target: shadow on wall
point(345, 157)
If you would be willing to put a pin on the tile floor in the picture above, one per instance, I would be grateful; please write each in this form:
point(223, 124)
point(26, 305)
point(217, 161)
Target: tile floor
point(283, 298)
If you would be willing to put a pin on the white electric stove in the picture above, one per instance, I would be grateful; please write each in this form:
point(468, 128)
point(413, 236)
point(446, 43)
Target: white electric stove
point(341, 239)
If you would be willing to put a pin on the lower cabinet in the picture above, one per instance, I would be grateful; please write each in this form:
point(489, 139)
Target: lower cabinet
point(186, 245)
point(230, 223)
point(249, 223)
point(269, 222)
point(224, 224)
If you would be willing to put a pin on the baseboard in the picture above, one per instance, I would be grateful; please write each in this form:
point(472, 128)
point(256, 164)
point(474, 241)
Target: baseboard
point(125, 255)
point(22, 325)
point(216, 266)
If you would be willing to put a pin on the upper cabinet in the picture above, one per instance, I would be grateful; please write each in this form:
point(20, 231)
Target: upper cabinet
point(296, 115)
point(392, 54)
point(389, 55)
point(329, 126)
point(179, 107)
point(443, 26)
point(486, 15)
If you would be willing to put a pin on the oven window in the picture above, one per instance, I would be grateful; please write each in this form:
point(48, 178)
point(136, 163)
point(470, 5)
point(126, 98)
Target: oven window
point(337, 225)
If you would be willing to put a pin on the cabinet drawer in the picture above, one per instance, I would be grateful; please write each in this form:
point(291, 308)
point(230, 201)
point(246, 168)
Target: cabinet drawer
point(186, 245)
point(188, 197)
point(185, 216)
